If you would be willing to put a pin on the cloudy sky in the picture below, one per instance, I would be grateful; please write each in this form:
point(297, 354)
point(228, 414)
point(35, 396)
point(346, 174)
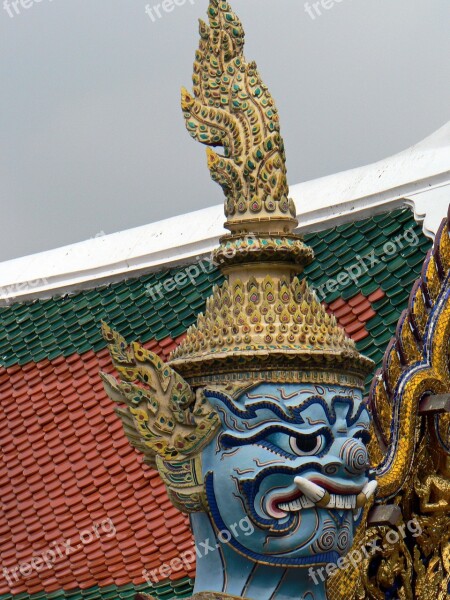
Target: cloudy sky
point(92, 138)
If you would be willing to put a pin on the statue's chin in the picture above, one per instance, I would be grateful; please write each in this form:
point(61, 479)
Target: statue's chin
point(319, 534)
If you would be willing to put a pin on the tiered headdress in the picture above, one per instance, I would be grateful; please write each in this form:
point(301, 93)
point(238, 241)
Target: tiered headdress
point(263, 323)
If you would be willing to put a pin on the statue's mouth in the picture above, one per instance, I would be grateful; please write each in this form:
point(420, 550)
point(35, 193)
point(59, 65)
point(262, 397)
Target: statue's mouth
point(336, 501)
point(320, 492)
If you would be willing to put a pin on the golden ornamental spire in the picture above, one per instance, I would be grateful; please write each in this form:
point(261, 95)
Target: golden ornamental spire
point(231, 108)
point(263, 319)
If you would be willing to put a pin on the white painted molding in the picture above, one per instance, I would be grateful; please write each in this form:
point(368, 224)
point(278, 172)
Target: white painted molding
point(430, 207)
point(418, 178)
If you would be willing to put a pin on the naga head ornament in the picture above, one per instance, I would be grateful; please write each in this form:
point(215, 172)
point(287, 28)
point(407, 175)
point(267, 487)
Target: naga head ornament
point(163, 417)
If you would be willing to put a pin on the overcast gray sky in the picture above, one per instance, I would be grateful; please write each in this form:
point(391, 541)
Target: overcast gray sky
point(91, 132)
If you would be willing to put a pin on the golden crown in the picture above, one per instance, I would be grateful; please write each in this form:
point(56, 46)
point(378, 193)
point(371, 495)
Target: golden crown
point(263, 323)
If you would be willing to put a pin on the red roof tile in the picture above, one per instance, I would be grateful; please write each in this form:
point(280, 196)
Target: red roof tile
point(354, 327)
point(355, 313)
point(356, 300)
point(344, 321)
point(362, 307)
point(367, 315)
point(377, 295)
point(337, 304)
point(69, 467)
point(342, 312)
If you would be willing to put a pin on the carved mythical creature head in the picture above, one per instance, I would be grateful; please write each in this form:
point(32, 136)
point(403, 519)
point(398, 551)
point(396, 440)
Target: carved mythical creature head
point(293, 458)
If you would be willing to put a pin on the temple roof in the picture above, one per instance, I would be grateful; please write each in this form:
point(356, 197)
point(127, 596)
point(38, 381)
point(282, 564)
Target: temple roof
point(417, 178)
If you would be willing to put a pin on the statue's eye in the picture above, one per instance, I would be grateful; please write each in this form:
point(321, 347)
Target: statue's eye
point(307, 445)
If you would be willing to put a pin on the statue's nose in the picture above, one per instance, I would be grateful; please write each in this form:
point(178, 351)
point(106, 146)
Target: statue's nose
point(354, 456)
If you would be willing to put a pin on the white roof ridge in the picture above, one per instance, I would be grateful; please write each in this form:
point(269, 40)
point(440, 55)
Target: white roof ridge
point(418, 177)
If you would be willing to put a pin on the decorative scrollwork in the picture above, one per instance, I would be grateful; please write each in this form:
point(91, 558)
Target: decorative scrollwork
point(416, 364)
point(414, 472)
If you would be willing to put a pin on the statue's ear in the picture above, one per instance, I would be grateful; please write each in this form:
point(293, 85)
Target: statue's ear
point(162, 415)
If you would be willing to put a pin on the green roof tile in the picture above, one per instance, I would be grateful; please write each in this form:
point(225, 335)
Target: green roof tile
point(163, 591)
point(71, 324)
point(346, 293)
point(369, 288)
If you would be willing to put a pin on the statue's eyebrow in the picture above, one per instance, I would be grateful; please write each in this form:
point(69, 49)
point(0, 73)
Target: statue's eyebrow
point(228, 440)
point(250, 412)
point(330, 414)
point(318, 422)
point(350, 417)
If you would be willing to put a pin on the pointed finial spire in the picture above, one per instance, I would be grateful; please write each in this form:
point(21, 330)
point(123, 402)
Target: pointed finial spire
point(231, 108)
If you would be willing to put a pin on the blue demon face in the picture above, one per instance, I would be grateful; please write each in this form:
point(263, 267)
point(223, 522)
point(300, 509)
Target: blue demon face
point(293, 459)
